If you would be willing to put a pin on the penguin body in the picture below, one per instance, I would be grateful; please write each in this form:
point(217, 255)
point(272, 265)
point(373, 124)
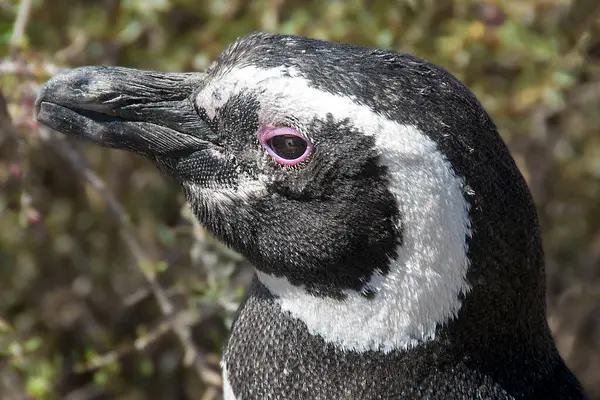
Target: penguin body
point(396, 244)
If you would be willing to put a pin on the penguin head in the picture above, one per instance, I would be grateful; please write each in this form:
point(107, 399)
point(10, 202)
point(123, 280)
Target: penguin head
point(370, 189)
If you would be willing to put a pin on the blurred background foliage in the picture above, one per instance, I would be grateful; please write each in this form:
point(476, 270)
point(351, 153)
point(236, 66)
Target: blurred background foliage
point(103, 272)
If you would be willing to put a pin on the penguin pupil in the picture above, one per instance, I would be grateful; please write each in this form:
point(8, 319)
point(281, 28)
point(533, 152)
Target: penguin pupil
point(289, 147)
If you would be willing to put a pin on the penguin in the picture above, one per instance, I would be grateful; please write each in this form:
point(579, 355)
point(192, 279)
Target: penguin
point(396, 244)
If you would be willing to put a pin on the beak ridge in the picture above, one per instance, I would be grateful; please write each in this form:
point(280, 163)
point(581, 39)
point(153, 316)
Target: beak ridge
point(147, 112)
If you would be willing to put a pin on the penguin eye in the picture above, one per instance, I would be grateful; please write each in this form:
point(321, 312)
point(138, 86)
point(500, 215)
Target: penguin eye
point(285, 145)
point(289, 147)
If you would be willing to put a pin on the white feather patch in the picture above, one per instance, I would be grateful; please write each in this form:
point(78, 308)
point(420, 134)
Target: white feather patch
point(422, 288)
point(227, 390)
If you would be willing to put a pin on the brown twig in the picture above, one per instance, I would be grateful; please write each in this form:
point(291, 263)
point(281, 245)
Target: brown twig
point(11, 173)
point(20, 25)
point(183, 318)
point(143, 292)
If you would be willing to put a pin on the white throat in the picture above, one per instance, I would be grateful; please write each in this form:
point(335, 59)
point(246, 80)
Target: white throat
point(423, 286)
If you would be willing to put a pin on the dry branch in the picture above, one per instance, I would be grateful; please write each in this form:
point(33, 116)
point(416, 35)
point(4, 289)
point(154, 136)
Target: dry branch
point(185, 318)
point(20, 25)
point(144, 258)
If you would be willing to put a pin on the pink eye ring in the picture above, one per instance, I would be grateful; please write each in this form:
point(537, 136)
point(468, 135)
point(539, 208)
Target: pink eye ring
point(286, 145)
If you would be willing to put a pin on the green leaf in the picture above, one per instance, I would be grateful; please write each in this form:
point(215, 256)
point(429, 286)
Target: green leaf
point(32, 344)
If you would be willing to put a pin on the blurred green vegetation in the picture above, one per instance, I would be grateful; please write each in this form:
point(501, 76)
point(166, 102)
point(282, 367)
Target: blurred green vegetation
point(79, 316)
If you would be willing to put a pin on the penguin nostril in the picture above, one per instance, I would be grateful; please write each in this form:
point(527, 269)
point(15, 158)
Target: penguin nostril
point(286, 145)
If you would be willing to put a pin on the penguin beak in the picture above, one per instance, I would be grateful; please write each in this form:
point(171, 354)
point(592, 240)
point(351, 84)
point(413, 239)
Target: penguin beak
point(149, 113)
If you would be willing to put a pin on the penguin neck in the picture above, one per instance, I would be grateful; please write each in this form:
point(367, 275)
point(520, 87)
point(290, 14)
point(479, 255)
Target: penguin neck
point(270, 353)
point(396, 311)
point(267, 341)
